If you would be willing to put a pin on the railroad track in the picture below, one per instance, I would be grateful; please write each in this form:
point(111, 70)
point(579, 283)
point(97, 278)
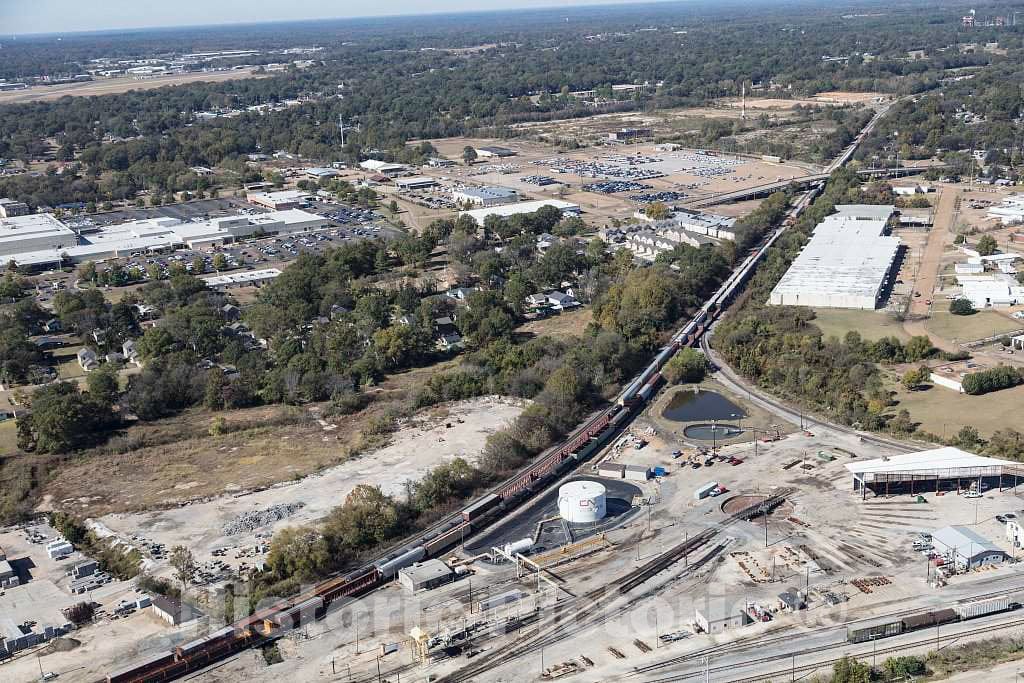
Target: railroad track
point(818, 664)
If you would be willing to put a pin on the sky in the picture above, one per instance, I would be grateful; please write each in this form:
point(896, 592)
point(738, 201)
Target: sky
point(60, 16)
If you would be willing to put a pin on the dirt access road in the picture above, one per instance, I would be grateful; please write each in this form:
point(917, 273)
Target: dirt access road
point(931, 262)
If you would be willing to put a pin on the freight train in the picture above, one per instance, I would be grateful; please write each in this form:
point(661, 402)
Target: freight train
point(291, 613)
point(963, 611)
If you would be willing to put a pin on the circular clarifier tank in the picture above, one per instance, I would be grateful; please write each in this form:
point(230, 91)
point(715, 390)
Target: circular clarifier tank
point(580, 502)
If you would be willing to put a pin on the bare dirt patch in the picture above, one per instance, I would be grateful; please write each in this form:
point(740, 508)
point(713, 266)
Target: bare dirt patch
point(430, 438)
point(112, 86)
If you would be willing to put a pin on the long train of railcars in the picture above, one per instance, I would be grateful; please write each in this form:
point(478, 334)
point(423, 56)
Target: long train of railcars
point(961, 611)
point(269, 622)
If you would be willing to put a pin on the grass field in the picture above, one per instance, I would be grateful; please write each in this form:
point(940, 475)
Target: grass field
point(872, 325)
point(8, 437)
point(565, 325)
point(981, 325)
point(939, 409)
point(66, 360)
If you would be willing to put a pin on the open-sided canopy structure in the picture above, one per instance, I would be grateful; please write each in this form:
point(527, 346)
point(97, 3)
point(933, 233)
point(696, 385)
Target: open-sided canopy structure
point(929, 470)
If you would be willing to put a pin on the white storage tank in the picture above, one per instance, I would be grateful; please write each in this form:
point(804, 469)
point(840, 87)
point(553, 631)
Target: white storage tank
point(582, 501)
point(518, 546)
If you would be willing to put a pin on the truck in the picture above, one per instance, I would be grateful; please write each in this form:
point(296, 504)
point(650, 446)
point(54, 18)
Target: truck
point(704, 491)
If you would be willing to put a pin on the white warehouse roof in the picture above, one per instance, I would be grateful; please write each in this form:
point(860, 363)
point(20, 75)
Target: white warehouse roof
point(31, 227)
point(928, 462)
point(506, 210)
point(844, 265)
point(242, 278)
point(966, 542)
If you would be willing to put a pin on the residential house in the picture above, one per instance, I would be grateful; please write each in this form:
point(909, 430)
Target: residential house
point(52, 326)
point(231, 312)
point(537, 300)
point(129, 351)
point(561, 301)
point(460, 293)
point(450, 341)
point(99, 336)
point(87, 359)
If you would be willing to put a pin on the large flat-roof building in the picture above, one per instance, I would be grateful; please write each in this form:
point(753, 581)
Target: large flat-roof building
point(847, 263)
point(247, 278)
point(34, 232)
point(484, 196)
point(506, 210)
point(278, 201)
point(999, 289)
point(147, 235)
point(420, 182)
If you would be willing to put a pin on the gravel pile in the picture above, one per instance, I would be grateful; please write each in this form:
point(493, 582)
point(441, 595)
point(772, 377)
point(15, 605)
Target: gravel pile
point(250, 521)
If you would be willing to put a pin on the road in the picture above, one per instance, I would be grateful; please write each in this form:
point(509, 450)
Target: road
point(928, 271)
point(732, 381)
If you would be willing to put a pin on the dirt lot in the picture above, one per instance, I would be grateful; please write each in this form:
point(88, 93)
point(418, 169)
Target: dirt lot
point(682, 174)
point(41, 93)
point(424, 442)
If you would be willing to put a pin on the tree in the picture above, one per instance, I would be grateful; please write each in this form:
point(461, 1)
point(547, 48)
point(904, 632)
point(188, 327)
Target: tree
point(961, 307)
point(918, 348)
point(657, 211)
point(300, 552)
point(849, 670)
point(184, 564)
point(103, 385)
point(686, 367)
point(913, 379)
point(902, 668)
point(469, 155)
point(62, 419)
point(987, 245)
point(220, 262)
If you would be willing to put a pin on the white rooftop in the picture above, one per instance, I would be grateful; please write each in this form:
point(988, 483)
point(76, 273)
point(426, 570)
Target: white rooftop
point(281, 196)
point(506, 210)
point(32, 226)
point(242, 278)
point(964, 541)
point(846, 259)
point(925, 462)
point(157, 234)
point(866, 211)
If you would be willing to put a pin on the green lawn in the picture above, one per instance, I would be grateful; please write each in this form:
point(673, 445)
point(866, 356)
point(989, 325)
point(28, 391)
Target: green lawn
point(872, 325)
point(963, 328)
point(937, 407)
point(8, 437)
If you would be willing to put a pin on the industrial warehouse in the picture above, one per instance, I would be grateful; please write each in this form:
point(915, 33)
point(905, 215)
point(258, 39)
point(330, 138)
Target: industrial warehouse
point(41, 240)
point(520, 208)
point(848, 262)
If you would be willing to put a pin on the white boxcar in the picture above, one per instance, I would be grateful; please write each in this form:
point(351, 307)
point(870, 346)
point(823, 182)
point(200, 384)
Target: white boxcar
point(979, 608)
